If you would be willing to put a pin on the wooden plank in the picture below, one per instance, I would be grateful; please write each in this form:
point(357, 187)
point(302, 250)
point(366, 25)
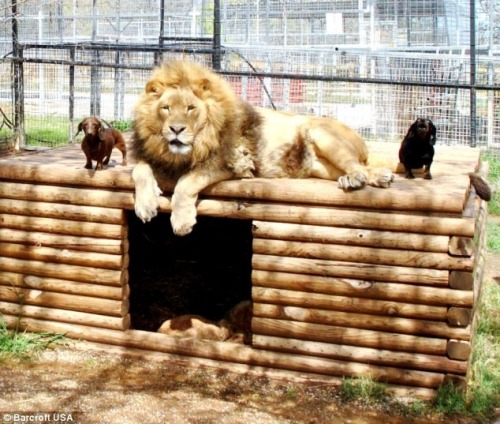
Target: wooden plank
point(69, 302)
point(359, 288)
point(64, 256)
point(63, 226)
point(461, 280)
point(67, 195)
point(322, 192)
point(348, 304)
point(64, 286)
point(61, 241)
point(58, 210)
point(61, 315)
point(350, 236)
point(353, 270)
point(406, 360)
point(459, 349)
point(348, 336)
point(461, 246)
point(64, 271)
point(365, 255)
point(391, 324)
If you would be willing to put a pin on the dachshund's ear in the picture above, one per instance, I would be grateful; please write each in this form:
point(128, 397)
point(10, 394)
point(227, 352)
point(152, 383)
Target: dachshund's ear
point(412, 130)
point(80, 127)
point(433, 131)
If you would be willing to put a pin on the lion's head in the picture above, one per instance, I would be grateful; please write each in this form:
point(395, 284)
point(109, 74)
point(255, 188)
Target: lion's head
point(183, 115)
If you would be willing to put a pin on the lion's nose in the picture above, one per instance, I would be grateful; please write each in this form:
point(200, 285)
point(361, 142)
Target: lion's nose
point(177, 129)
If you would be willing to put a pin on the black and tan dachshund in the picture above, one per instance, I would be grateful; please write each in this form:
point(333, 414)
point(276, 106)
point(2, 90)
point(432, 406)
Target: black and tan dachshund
point(417, 151)
point(417, 147)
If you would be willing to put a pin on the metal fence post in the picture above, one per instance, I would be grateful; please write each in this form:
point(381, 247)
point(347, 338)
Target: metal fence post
point(17, 81)
point(216, 55)
point(472, 53)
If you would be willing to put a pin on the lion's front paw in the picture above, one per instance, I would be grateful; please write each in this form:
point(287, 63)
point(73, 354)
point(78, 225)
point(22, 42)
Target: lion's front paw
point(183, 221)
point(147, 192)
point(147, 201)
point(146, 204)
point(382, 178)
point(352, 181)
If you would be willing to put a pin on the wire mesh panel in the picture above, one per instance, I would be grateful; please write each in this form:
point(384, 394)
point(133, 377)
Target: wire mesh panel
point(374, 64)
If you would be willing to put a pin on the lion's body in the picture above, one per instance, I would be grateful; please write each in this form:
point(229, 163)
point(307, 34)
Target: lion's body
point(189, 125)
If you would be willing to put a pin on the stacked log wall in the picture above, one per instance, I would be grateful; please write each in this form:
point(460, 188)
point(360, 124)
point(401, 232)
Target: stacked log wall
point(338, 289)
point(362, 294)
point(61, 260)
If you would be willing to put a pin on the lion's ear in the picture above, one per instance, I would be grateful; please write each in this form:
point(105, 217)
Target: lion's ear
point(205, 84)
point(153, 87)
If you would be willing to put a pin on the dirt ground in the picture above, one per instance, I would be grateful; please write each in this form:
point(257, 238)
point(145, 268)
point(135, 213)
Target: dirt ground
point(83, 383)
point(88, 385)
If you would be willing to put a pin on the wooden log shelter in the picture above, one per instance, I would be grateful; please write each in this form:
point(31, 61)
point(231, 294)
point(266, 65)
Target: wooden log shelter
point(379, 282)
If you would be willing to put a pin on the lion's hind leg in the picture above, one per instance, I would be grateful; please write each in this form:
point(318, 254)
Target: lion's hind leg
point(343, 158)
point(380, 177)
point(350, 174)
point(361, 175)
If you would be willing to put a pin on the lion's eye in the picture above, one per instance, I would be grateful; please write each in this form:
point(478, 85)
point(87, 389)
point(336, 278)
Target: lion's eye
point(190, 107)
point(166, 107)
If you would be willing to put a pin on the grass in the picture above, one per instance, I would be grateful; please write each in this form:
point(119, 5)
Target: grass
point(54, 131)
point(363, 388)
point(16, 344)
point(494, 179)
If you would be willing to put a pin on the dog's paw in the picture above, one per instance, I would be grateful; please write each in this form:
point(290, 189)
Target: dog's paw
point(183, 221)
point(352, 181)
point(382, 178)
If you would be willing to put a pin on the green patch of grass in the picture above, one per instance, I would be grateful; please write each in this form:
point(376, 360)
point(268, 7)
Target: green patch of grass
point(363, 388)
point(46, 131)
point(15, 344)
point(494, 203)
point(494, 179)
point(493, 234)
point(52, 131)
point(125, 125)
point(485, 382)
point(450, 400)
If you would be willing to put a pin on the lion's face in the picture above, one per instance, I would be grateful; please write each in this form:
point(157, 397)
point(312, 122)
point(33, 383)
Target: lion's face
point(183, 115)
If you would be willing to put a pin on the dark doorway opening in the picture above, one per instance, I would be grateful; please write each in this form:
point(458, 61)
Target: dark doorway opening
point(204, 273)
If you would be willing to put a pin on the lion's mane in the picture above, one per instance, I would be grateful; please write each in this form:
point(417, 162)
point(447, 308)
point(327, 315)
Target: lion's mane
point(228, 121)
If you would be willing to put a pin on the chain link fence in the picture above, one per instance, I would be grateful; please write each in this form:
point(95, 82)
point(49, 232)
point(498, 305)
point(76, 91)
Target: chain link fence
point(374, 64)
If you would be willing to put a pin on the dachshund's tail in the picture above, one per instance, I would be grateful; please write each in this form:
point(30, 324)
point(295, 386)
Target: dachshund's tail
point(481, 186)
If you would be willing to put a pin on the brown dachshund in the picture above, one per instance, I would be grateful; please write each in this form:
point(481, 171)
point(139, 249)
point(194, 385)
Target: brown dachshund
point(98, 142)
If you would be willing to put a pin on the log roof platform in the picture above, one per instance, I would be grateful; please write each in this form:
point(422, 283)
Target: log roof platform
point(377, 281)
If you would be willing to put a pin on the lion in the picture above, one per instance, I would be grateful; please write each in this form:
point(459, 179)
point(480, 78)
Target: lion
point(189, 125)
